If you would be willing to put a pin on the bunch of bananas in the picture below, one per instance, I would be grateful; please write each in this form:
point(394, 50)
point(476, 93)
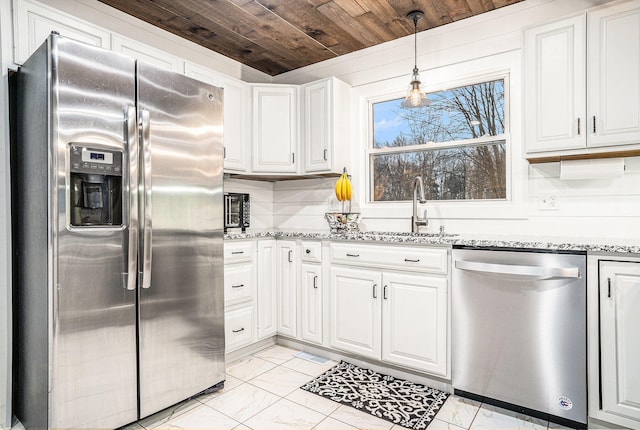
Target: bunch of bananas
point(343, 187)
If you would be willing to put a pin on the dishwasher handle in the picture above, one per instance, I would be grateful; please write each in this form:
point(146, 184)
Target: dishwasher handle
point(536, 272)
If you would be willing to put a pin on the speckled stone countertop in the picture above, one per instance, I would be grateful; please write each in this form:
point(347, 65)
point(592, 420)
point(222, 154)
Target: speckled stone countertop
point(593, 245)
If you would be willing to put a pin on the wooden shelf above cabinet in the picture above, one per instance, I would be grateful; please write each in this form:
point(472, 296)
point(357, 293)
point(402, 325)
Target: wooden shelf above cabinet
point(586, 156)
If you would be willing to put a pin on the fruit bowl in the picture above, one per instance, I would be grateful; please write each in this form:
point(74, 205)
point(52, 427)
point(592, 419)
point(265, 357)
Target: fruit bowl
point(343, 222)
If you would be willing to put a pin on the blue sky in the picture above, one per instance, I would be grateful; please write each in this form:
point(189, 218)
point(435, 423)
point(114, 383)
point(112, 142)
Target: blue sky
point(387, 124)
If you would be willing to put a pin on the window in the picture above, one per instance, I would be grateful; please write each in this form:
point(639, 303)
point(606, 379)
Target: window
point(457, 144)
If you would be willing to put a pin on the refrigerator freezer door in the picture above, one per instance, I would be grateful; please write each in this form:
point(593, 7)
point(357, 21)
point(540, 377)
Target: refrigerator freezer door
point(93, 348)
point(181, 312)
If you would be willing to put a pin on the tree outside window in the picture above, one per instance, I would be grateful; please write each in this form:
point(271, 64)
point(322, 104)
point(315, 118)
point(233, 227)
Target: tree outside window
point(457, 144)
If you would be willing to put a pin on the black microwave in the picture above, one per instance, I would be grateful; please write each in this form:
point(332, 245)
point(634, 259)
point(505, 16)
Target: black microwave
point(236, 211)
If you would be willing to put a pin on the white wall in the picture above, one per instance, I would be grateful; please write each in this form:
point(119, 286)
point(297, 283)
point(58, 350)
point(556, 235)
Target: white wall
point(492, 41)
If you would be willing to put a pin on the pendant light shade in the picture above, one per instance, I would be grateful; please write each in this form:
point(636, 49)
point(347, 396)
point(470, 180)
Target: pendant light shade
point(415, 96)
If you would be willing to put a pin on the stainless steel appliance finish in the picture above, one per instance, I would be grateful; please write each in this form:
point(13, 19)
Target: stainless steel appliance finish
point(114, 320)
point(519, 329)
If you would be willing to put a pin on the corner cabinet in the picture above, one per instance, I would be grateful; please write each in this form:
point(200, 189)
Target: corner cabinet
point(615, 350)
point(326, 125)
point(391, 303)
point(274, 129)
point(582, 83)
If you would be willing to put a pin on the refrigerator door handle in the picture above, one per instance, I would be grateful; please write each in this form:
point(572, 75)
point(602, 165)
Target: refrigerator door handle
point(132, 147)
point(147, 209)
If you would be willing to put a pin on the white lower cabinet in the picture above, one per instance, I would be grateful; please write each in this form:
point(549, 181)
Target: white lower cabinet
point(239, 294)
point(286, 285)
point(397, 317)
point(311, 303)
point(355, 311)
point(414, 321)
point(238, 327)
point(267, 275)
point(619, 294)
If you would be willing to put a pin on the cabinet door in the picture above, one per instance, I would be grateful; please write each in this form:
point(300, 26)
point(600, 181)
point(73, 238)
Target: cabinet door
point(317, 125)
point(34, 22)
point(414, 321)
point(266, 291)
point(236, 125)
point(614, 75)
point(286, 287)
point(274, 128)
point(146, 54)
point(554, 86)
point(311, 303)
point(201, 73)
point(355, 310)
point(619, 334)
point(326, 125)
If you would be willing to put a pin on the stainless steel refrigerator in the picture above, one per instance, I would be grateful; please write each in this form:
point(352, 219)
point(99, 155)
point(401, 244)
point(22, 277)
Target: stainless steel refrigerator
point(117, 213)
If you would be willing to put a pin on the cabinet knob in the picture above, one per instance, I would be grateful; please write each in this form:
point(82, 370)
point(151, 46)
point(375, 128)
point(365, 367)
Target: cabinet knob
point(307, 251)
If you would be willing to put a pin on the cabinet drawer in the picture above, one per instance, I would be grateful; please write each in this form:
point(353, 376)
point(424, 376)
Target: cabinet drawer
point(311, 252)
point(239, 283)
point(238, 328)
point(238, 251)
point(433, 260)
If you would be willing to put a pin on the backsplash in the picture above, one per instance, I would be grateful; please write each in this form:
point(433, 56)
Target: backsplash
point(593, 207)
point(261, 200)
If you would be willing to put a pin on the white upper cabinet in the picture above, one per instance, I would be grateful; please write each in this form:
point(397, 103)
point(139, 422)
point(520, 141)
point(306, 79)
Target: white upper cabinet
point(201, 73)
point(34, 22)
point(326, 125)
point(146, 53)
point(236, 115)
point(274, 129)
point(582, 82)
point(613, 92)
point(555, 99)
point(236, 125)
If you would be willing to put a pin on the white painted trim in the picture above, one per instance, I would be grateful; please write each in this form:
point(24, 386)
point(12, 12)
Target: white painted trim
point(505, 64)
point(6, 55)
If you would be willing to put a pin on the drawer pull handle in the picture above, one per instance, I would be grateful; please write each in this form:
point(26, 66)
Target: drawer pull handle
point(237, 252)
point(384, 292)
point(353, 255)
point(238, 331)
point(375, 293)
point(408, 260)
point(315, 281)
point(237, 286)
point(289, 257)
point(609, 287)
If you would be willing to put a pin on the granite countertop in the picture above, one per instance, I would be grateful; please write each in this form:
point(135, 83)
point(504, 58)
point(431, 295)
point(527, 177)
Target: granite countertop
point(598, 245)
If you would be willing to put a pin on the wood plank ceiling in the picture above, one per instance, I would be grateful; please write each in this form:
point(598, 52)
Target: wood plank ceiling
point(276, 36)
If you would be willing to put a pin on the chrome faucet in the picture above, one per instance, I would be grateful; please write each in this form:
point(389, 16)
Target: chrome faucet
point(416, 221)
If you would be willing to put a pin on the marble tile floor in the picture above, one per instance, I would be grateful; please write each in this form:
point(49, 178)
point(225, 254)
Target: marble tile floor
point(262, 393)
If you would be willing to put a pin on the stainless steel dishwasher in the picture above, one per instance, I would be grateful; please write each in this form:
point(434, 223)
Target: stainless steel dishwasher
point(519, 331)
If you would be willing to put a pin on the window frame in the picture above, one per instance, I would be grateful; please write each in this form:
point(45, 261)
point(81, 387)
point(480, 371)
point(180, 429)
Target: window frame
point(442, 86)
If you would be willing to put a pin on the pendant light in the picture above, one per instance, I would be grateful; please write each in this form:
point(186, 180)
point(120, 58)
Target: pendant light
point(415, 96)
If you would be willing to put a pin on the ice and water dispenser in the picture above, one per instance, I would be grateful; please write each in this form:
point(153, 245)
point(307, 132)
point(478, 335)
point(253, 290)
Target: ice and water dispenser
point(95, 187)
